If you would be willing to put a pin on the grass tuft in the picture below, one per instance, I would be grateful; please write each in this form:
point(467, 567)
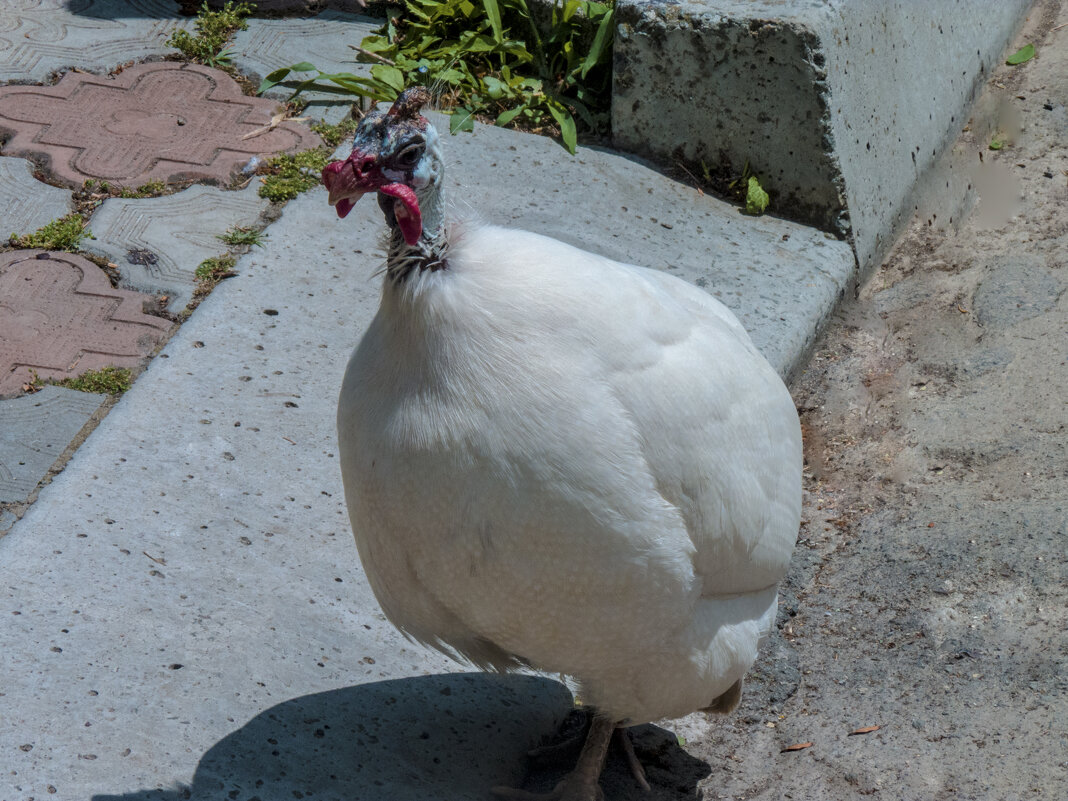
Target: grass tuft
point(335, 134)
point(211, 271)
point(289, 174)
point(65, 233)
point(240, 235)
point(107, 380)
point(213, 32)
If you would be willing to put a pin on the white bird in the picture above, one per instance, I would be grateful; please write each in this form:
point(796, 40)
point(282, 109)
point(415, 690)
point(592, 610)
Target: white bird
point(556, 460)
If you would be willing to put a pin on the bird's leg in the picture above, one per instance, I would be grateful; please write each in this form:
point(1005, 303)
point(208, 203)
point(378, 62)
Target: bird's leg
point(636, 769)
point(582, 783)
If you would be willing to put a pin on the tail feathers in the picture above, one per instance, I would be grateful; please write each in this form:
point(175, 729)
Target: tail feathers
point(727, 701)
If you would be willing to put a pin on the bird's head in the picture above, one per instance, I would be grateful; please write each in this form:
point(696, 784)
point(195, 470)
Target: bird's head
point(395, 153)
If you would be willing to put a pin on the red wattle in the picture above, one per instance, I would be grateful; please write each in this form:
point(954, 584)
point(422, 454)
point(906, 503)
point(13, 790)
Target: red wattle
point(406, 209)
point(344, 206)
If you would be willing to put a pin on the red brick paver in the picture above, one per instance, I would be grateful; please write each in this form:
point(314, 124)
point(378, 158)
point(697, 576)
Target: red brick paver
point(60, 316)
point(162, 121)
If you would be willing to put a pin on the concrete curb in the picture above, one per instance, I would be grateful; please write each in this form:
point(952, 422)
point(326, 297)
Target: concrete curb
point(839, 108)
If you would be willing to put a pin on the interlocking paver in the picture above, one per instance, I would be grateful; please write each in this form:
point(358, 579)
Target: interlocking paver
point(160, 121)
point(60, 316)
point(26, 204)
point(269, 44)
point(41, 37)
point(34, 432)
point(157, 243)
point(299, 6)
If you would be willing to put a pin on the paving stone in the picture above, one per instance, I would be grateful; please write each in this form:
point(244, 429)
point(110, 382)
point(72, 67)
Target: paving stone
point(162, 121)
point(269, 44)
point(26, 204)
point(157, 243)
point(41, 37)
point(7, 520)
point(301, 6)
point(60, 316)
point(34, 432)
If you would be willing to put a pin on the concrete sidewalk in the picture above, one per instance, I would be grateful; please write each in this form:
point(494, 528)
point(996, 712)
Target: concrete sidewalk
point(182, 612)
point(202, 523)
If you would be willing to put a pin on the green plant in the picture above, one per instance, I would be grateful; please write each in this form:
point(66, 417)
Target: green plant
point(214, 29)
point(64, 233)
point(107, 380)
point(212, 271)
point(151, 188)
point(242, 235)
point(334, 134)
point(471, 55)
point(35, 384)
point(289, 174)
point(209, 273)
point(756, 199)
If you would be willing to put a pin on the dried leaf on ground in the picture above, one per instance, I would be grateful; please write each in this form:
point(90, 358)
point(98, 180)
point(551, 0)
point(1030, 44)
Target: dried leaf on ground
point(864, 730)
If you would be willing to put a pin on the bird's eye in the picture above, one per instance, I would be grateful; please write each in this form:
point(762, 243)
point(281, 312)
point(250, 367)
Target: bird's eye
point(410, 156)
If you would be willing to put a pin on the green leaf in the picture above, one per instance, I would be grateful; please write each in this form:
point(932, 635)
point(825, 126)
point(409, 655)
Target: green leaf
point(1025, 53)
point(495, 87)
point(756, 199)
point(303, 66)
point(390, 76)
point(452, 77)
point(375, 44)
point(493, 12)
point(506, 117)
point(462, 119)
point(273, 79)
point(567, 126)
point(600, 40)
point(996, 144)
point(478, 44)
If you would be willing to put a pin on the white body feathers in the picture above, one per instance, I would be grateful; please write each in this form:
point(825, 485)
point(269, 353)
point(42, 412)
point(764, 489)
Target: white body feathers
point(556, 459)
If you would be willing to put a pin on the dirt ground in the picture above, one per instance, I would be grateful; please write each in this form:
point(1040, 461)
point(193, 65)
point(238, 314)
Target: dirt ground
point(928, 594)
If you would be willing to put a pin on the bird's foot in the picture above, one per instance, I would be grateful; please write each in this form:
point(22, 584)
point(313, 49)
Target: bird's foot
point(582, 783)
point(636, 769)
point(573, 788)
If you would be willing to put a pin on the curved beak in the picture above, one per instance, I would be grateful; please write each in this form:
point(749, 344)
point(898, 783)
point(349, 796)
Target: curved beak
point(350, 179)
